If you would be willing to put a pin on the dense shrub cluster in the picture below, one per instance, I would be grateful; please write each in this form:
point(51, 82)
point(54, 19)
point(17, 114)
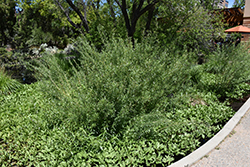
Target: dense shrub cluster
point(125, 106)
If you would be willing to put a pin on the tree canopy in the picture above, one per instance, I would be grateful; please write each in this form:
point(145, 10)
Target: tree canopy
point(55, 22)
point(8, 20)
point(239, 4)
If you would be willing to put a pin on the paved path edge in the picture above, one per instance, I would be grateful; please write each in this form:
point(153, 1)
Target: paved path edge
point(215, 141)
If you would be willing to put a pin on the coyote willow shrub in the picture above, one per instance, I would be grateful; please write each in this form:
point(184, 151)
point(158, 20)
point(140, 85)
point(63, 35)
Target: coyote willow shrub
point(109, 88)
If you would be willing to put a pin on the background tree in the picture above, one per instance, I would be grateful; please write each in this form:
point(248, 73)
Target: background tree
point(239, 4)
point(209, 4)
point(8, 20)
point(83, 17)
point(187, 23)
point(56, 21)
point(41, 22)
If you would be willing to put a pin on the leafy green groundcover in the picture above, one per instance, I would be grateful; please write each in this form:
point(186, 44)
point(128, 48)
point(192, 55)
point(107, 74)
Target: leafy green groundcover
point(28, 139)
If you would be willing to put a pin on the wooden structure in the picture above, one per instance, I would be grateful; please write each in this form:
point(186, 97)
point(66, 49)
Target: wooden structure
point(246, 20)
point(231, 16)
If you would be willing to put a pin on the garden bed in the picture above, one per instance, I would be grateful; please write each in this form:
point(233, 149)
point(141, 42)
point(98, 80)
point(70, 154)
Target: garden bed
point(140, 105)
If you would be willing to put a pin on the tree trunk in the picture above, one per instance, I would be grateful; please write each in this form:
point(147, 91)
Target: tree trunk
point(150, 17)
point(112, 13)
point(83, 18)
point(137, 12)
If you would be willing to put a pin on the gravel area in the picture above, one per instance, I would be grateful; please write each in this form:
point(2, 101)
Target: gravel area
point(234, 151)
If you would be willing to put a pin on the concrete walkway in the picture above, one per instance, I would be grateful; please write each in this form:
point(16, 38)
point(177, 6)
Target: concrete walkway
point(234, 151)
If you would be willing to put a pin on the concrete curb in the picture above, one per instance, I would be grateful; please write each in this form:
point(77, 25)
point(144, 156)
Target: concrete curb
point(216, 140)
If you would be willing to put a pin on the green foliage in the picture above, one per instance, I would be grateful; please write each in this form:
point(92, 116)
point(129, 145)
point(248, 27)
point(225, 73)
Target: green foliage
point(117, 84)
point(239, 91)
point(7, 85)
point(124, 106)
point(239, 4)
point(7, 17)
point(15, 64)
point(38, 37)
point(2, 50)
point(188, 25)
point(225, 69)
point(41, 22)
point(41, 134)
point(141, 105)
